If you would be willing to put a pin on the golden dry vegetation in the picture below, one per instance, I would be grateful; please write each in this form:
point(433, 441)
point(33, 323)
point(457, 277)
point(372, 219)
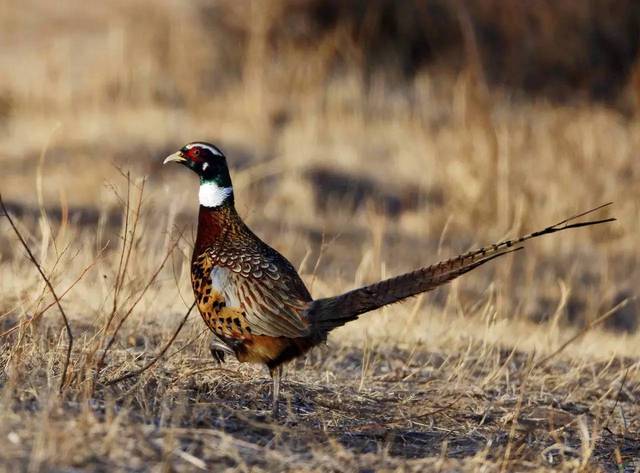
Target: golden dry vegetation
point(356, 168)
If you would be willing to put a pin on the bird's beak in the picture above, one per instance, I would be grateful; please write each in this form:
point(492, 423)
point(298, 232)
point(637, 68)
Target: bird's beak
point(177, 157)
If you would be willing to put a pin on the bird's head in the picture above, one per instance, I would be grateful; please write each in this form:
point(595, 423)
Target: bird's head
point(208, 162)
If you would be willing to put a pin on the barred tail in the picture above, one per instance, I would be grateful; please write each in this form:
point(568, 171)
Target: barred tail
point(329, 313)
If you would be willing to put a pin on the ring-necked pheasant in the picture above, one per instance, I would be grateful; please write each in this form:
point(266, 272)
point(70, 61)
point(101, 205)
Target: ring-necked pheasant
point(254, 301)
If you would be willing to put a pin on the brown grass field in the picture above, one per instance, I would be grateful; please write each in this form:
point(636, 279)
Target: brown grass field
point(356, 168)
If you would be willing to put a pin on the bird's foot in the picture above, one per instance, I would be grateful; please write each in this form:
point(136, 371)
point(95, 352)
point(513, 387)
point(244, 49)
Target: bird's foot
point(219, 349)
point(218, 355)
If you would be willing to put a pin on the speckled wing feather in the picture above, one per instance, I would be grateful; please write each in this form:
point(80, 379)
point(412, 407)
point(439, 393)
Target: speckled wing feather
point(271, 306)
point(264, 285)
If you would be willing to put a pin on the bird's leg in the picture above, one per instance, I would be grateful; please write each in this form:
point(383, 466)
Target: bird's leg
point(276, 375)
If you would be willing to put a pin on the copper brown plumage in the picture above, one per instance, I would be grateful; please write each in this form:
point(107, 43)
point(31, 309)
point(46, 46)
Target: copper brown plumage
point(249, 295)
point(254, 301)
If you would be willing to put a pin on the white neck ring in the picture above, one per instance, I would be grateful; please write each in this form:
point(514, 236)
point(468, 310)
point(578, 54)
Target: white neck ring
point(212, 195)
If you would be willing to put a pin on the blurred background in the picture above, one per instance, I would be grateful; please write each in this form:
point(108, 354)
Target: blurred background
point(365, 138)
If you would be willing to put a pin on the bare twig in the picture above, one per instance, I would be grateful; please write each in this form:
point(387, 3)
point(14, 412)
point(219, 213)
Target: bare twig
point(582, 332)
point(116, 288)
point(134, 229)
point(189, 342)
point(64, 293)
point(36, 302)
point(138, 372)
point(135, 303)
point(123, 263)
point(624, 379)
point(52, 271)
point(53, 292)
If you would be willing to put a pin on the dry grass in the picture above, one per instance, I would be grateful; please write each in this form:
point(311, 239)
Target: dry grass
point(353, 180)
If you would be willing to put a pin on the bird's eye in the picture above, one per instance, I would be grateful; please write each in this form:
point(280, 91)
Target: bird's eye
point(196, 152)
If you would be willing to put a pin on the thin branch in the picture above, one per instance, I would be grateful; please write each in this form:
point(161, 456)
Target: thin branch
point(52, 271)
point(124, 174)
point(39, 314)
point(125, 256)
point(138, 372)
point(135, 303)
point(624, 379)
point(582, 332)
point(36, 302)
point(189, 342)
point(53, 292)
point(122, 253)
point(136, 219)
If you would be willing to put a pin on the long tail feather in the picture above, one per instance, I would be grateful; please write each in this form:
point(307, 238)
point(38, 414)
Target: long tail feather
point(329, 313)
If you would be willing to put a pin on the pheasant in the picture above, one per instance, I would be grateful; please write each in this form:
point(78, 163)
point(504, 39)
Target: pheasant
point(254, 301)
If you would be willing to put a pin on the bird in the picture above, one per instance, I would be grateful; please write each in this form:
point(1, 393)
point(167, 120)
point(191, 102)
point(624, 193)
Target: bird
point(255, 302)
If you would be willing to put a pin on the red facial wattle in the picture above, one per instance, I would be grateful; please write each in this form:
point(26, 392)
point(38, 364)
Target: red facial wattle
point(194, 154)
